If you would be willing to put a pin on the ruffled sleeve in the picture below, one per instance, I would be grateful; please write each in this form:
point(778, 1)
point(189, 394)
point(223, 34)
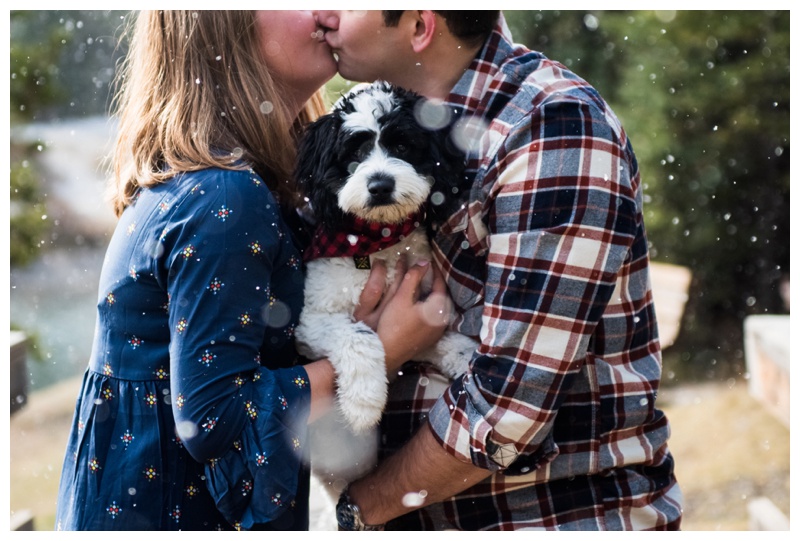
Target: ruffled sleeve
point(256, 481)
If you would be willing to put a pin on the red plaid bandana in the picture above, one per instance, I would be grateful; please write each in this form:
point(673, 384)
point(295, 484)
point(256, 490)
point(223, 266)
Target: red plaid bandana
point(359, 238)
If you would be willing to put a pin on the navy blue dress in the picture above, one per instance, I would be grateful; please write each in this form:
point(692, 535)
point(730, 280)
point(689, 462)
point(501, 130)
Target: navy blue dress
point(192, 414)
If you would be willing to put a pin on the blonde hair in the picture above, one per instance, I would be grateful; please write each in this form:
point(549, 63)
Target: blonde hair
point(194, 92)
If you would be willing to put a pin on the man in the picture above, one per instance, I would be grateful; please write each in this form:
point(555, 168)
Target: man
point(554, 426)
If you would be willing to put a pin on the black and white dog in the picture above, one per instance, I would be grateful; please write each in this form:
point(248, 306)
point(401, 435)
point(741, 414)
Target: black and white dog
point(378, 171)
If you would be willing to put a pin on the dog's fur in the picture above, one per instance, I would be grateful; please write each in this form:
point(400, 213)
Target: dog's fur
point(371, 158)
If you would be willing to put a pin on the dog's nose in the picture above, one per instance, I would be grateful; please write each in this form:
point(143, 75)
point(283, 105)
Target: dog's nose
point(380, 186)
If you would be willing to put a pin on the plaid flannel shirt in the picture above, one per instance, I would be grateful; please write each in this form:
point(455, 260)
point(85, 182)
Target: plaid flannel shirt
point(548, 267)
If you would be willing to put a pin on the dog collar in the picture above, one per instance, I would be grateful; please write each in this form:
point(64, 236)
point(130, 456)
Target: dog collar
point(359, 239)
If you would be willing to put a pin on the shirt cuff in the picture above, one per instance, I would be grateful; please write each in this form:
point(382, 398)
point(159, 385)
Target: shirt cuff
point(463, 431)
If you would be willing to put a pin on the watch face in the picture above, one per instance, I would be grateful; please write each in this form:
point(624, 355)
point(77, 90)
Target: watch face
point(346, 516)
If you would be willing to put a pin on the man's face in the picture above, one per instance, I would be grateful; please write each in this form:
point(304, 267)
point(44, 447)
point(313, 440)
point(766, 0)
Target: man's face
point(367, 49)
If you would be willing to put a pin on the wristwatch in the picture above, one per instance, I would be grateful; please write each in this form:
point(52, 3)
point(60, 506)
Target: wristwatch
point(348, 515)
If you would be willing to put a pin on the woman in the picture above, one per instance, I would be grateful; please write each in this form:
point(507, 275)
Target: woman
point(193, 411)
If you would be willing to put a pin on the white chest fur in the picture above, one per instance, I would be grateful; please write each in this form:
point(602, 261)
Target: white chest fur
point(344, 443)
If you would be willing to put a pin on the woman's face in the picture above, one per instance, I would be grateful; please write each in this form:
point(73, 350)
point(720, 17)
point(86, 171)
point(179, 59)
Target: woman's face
point(295, 51)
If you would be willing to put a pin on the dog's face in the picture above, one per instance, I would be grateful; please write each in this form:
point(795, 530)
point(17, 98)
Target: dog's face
point(372, 158)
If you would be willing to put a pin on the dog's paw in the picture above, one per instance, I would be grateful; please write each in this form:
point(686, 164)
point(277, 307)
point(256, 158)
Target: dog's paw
point(452, 353)
point(360, 377)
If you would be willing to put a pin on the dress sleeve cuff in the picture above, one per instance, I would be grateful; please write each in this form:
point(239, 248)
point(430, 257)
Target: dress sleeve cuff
point(257, 480)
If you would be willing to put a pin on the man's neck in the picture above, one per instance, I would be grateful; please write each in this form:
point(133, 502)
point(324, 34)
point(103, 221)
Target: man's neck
point(439, 69)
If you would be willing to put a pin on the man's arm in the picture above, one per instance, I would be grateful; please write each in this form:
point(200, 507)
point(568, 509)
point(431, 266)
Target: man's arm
point(419, 474)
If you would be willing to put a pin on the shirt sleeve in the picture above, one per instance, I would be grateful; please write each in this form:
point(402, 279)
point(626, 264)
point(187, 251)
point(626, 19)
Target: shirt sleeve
point(246, 422)
point(560, 219)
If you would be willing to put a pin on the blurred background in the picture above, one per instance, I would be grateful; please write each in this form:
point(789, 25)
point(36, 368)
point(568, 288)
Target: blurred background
point(704, 98)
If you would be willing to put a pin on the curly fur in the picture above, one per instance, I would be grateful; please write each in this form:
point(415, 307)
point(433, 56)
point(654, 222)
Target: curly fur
point(372, 158)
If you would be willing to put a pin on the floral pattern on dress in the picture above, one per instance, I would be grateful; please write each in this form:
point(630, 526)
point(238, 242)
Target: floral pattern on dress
point(181, 293)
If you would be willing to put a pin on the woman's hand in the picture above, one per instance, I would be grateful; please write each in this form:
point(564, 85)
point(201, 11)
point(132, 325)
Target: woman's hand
point(404, 323)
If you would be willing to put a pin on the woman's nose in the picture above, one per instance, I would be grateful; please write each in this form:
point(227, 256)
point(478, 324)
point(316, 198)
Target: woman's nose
point(327, 19)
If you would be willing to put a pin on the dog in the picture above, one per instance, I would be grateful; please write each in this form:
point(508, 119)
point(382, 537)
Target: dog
point(380, 175)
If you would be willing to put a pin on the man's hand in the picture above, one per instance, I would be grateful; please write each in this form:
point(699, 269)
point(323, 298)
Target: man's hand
point(405, 323)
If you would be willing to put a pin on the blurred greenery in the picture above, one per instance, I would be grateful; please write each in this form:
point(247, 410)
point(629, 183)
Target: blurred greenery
point(703, 95)
point(62, 63)
point(26, 206)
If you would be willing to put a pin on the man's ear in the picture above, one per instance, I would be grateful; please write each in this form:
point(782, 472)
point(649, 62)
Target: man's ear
point(425, 30)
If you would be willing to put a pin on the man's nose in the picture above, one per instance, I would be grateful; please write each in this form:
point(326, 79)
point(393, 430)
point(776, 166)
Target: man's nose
point(327, 19)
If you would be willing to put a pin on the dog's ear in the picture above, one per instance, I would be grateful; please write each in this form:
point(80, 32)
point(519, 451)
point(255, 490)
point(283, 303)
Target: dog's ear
point(316, 152)
point(317, 168)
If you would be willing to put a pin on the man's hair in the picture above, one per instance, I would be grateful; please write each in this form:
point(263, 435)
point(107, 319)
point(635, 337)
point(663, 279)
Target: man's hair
point(471, 27)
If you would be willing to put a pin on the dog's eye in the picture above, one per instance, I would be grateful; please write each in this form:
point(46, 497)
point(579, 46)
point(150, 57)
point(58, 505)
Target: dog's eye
point(363, 151)
point(400, 148)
